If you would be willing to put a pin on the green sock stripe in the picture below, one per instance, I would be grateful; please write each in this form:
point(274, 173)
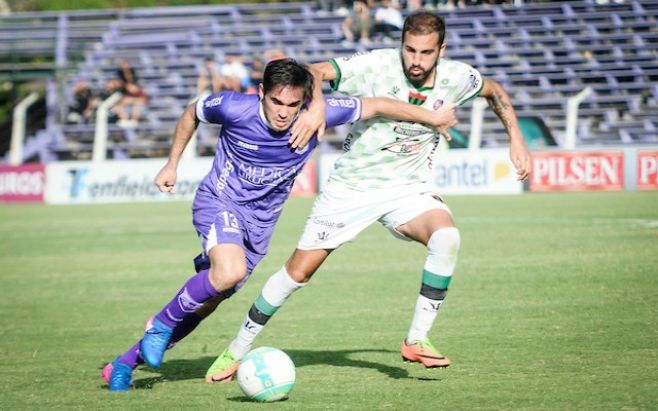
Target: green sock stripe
point(435, 280)
point(265, 307)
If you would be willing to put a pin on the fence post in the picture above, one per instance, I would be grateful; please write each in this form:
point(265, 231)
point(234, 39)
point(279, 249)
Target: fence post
point(572, 117)
point(18, 129)
point(477, 118)
point(100, 135)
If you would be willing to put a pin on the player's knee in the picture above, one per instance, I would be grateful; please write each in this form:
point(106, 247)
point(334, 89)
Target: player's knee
point(298, 274)
point(223, 278)
point(443, 249)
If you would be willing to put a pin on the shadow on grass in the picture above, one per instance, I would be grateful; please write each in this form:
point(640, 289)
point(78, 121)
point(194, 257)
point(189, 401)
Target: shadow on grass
point(179, 369)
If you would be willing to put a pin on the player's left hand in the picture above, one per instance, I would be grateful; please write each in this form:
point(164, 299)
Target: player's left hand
point(521, 159)
point(309, 122)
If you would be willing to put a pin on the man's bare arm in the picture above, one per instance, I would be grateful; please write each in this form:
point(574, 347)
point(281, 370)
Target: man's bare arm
point(441, 119)
point(501, 104)
point(188, 122)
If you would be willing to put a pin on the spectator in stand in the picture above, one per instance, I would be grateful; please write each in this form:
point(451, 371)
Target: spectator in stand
point(81, 110)
point(258, 66)
point(131, 106)
point(358, 24)
point(450, 4)
point(388, 19)
point(126, 74)
point(209, 81)
point(235, 74)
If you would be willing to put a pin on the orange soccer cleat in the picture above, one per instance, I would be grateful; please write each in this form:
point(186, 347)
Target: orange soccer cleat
point(423, 351)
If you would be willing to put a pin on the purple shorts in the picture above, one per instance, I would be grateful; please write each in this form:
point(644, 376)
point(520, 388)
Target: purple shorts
point(222, 222)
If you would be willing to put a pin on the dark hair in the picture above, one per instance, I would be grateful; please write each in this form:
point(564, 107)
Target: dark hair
point(287, 72)
point(424, 22)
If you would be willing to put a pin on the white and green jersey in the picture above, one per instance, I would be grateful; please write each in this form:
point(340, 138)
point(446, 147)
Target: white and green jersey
point(385, 153)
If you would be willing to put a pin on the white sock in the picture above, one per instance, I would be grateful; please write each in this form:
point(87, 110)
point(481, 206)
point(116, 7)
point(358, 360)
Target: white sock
point(424, 315)
point(442, 249)
point(276, 291)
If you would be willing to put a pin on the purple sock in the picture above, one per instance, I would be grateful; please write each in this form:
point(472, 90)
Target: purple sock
point(185, 327)
point(131, 357)
point(196, 291)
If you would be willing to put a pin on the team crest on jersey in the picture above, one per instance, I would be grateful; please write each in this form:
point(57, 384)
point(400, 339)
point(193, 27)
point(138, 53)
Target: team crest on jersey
point(416, 98)
point(438, 104)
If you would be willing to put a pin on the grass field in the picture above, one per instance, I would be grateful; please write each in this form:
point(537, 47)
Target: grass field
point(554, 306)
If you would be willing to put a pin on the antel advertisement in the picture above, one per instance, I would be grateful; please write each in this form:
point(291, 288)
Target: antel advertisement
point(132, 180)
point(575, 171)
point(647, 170)
point(461, 172)
point(483, 172)
point(25, 183)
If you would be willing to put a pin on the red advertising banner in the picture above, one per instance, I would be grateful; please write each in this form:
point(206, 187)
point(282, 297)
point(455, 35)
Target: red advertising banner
point(647, 170)
point(306, 183)
point(575, 171)
point(25, 183)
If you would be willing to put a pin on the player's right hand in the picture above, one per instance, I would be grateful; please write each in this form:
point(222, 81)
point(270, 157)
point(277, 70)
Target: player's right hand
point(166, 179)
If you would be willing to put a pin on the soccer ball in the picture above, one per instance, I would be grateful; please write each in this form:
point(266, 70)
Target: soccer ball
point(266, 374)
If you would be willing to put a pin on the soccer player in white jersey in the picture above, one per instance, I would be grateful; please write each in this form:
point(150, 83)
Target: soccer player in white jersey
point(382, 176)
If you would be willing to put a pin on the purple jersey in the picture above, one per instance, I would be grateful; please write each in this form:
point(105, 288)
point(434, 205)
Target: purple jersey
point(254, 166)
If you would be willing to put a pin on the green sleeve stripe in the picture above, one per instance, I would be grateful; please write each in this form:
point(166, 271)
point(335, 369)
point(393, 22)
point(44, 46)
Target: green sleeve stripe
point(436, 281)
point(335, 83)
point(265, 307)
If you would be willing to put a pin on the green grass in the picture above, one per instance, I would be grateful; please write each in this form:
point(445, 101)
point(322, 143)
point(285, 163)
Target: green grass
point(554, 305)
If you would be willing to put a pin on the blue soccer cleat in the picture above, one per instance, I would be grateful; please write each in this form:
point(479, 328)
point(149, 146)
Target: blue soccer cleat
point(118, 376)
point(155, 342)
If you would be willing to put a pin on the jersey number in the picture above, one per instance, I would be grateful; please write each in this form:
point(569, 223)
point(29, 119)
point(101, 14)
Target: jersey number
point(229, 219)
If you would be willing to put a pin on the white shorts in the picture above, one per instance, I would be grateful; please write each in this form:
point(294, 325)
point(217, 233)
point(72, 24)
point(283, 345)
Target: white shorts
point(340, 213)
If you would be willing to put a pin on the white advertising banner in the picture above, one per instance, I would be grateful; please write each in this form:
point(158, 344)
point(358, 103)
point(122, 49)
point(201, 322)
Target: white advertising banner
point(119, 181)
point(460, 172)
point(480, 172)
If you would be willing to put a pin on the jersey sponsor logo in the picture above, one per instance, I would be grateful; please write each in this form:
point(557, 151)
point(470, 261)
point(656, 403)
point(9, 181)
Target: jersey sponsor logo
point(409, 130)
point(248, 146)
point(357, 54)
point(341, 102)
point(404, 147)
point(265, 176)
point(328, 224)
point(214, 102)
point(223, 175)
point(323, 236)
point(474, 81)
point(347, 143)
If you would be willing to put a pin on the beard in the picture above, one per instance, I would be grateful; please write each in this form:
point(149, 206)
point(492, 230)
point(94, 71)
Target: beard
point(418, 79)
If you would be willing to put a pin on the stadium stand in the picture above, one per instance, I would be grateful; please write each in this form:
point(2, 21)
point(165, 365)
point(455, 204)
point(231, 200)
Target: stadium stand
point(542, 53)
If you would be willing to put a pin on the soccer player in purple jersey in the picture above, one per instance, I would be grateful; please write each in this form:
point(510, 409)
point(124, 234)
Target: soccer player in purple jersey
point(393, 189)
point(238, 203)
